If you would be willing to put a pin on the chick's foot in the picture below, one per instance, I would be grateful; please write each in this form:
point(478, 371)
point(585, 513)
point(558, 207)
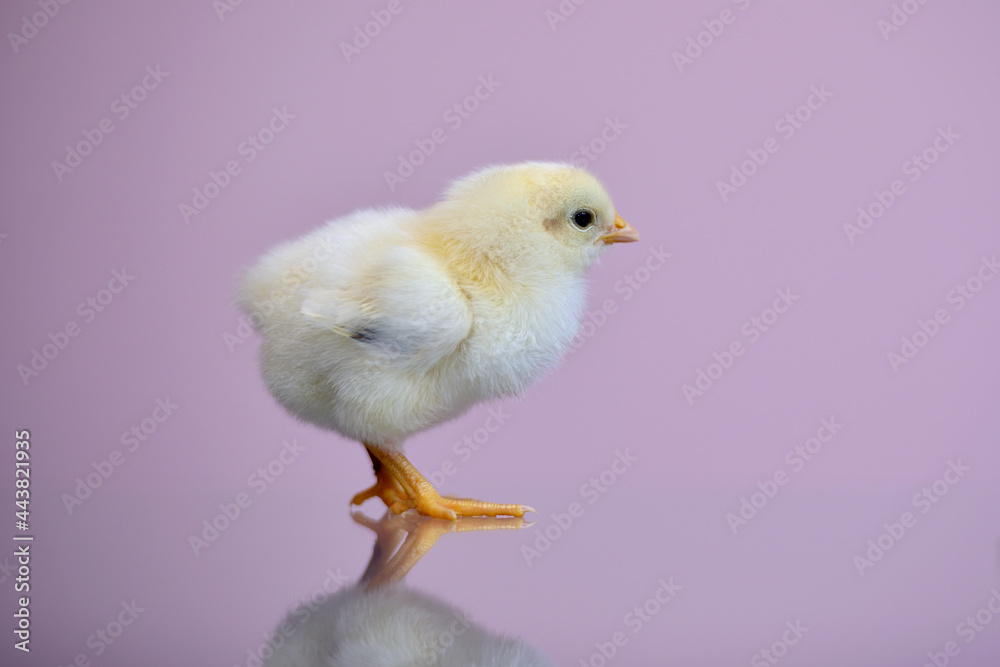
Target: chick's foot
point(385, 487)
point(401, 487)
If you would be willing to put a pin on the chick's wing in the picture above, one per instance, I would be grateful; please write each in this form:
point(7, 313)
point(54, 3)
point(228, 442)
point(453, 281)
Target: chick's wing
point(400, 307)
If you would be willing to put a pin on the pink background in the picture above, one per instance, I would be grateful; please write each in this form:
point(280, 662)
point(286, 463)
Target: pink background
point(164, 335)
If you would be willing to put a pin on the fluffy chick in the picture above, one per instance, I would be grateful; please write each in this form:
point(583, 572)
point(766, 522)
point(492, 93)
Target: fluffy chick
point(387, 322)
point(390, 627)
point(381, 622)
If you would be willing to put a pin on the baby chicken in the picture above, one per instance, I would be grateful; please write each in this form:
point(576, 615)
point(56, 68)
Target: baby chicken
point(380, 621)
point(387, 322)
point(391, 627)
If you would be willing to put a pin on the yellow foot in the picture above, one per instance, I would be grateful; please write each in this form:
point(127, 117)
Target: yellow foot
point(401, 487)
point(385, 487)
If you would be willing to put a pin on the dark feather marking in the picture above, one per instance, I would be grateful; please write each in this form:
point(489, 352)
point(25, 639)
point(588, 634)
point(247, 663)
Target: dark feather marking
point(364, 335)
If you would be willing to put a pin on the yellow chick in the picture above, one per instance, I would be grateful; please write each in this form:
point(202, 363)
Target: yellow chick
point(381, 622)
point(388, 322)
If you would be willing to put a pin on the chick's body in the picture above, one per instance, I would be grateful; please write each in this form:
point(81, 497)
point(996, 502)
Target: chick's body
point(387, 322)
point(381, 339)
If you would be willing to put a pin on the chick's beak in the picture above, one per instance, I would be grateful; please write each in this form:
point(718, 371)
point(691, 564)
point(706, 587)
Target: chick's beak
point(622, 233)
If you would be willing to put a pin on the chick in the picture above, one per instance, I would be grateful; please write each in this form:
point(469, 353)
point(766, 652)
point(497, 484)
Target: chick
point(380, 621)
point(391, 627)
point(387, 322)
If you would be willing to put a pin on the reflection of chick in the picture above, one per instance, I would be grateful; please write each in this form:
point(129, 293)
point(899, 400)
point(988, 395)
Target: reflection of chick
point(388, 322)
point(381, 623)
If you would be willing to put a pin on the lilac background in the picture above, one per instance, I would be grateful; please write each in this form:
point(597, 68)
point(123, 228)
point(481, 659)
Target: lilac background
point(164, 335)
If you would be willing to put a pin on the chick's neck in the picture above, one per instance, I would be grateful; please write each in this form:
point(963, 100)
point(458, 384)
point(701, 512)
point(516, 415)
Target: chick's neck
point(489, 267)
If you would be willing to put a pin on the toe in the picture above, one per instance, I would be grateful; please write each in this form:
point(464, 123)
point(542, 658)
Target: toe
point(438, 509)
point(470, 507)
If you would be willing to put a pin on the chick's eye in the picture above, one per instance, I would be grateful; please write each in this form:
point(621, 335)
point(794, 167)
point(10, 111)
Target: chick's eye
point(583, 218)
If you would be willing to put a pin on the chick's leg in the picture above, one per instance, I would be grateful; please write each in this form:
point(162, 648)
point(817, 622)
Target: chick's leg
point(385, 486)
point(403, 488)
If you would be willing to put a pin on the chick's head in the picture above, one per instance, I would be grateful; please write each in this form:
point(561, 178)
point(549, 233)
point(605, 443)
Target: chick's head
point(536, 215)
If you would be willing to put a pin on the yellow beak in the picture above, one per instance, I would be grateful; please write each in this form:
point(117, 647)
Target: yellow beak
point(623, 232)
